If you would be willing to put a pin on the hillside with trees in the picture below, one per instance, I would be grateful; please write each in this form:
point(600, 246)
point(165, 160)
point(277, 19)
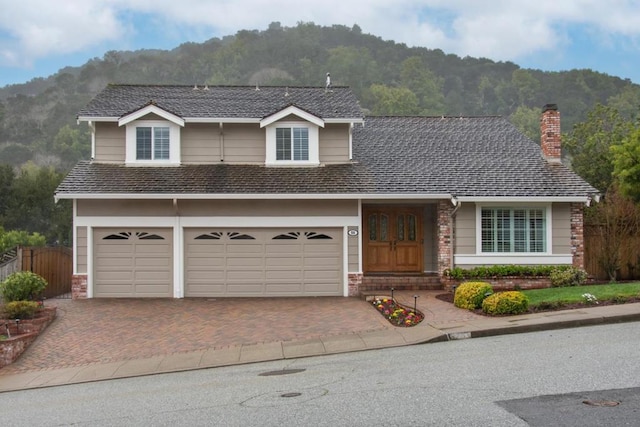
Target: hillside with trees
point(40, 139)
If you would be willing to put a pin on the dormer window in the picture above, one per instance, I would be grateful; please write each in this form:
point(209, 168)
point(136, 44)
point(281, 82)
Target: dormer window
point(292, 143)
point(152, 136)
point(152, 143)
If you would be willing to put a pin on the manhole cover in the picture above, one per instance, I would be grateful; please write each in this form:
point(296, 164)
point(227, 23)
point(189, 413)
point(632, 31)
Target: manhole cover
point(294, 394)
point(281, 372)
point(601, 402)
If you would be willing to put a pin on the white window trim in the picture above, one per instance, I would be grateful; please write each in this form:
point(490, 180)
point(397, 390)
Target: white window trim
point(314, 151)
point(174, 143)
point(513, 257)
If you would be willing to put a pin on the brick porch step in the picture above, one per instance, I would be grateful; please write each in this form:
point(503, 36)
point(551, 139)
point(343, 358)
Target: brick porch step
point(400, 282)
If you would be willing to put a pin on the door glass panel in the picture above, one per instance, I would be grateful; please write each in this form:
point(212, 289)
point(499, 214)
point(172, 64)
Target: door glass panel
point(384, 228)
point(411, 219)
point(400, 236)
point(373, 225)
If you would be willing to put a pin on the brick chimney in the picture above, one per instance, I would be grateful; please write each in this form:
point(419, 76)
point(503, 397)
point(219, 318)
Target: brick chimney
point(550, 133)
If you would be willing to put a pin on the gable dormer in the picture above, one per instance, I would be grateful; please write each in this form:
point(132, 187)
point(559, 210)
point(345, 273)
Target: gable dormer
point(152, 136)
point(292, 137)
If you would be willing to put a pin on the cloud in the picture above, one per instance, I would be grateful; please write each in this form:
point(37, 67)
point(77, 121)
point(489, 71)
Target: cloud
point(501, 29)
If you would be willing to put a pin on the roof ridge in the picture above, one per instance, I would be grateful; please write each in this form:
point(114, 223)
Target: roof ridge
point(252, 87)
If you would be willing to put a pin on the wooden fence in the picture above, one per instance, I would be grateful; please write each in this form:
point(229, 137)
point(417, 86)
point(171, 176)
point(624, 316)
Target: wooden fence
point(54, 264)
point(629, 255)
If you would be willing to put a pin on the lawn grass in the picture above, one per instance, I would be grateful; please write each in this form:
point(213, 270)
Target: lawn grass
point(573, 294)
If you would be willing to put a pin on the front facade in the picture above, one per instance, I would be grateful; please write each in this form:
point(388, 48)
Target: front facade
point(247, 191)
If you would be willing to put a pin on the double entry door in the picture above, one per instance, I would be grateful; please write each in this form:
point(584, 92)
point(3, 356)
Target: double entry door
point(392, 239)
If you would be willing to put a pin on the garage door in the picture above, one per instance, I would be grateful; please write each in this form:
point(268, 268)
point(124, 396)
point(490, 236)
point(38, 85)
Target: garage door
point(133, 263)
point(263, 262)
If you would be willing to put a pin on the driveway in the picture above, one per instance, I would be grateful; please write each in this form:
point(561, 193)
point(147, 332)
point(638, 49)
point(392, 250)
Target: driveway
point(108, 330)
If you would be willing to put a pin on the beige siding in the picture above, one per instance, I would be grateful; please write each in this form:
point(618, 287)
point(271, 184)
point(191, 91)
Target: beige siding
point(81, 250)
point(561, 229)
point(244, 143)
point(110, 142)
point(125, 208)
point(200, 143)
point(430, 248)
point(465, 229)
point(334, 143)
point(352, 250)
point(268, 208)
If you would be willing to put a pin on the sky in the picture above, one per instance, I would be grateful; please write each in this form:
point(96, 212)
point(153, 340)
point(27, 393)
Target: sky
point(38, 37)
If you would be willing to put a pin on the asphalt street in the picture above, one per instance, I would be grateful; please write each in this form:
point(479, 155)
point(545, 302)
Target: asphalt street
point(456, 383)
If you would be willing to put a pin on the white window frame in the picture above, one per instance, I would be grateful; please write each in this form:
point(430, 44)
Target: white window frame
point(524, 258)
point(546, 241)
point(314, 157)
point(131, 142)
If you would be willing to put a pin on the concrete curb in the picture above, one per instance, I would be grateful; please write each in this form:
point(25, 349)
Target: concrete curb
point(423, 333)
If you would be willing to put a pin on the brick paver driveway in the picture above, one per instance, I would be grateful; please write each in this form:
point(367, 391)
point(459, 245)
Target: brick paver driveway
point(106, 330)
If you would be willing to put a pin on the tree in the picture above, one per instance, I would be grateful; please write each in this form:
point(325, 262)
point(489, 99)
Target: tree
point(71, 145)
point(424, 84)
point(527, 120)
point(31, 206)
point(6, 183)
point(588, 145)
point(13, 238)
point(396, 101)
point(626, 164)
point(614, 220)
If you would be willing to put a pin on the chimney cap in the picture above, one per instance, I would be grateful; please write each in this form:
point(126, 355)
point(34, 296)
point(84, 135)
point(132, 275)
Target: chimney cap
point(550, 107)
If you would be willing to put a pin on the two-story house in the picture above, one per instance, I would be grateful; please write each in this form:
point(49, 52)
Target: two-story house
point(290, 191)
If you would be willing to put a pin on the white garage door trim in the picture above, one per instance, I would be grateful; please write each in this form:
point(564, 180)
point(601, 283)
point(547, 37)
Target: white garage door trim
point(258, 262)
point(132, 262)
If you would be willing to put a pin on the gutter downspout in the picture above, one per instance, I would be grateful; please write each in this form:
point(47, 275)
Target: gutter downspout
point(457, 203)
point(221, 142)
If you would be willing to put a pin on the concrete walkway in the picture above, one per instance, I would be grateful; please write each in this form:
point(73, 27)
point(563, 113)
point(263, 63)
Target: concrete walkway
point(94, 340)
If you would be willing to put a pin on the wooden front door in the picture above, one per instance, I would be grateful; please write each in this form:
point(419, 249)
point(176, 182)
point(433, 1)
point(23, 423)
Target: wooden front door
point(392, 239)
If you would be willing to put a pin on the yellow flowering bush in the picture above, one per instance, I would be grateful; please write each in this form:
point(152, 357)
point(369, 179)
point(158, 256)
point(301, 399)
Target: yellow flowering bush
point(469, 295)
point(510, 302)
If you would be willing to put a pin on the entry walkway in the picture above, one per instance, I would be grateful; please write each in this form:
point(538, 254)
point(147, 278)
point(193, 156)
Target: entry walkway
point(95, 340)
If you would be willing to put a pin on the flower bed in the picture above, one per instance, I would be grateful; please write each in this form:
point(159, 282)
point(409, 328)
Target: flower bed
point(22, 334)
point(396, 313)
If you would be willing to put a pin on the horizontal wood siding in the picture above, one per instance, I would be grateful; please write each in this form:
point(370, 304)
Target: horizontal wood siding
point(352, 251)
point(268, 208)
point(465, 237)
point(81, 250)
point(561, 228)
point(244, 143)
point(110, 142)
point(200, 143)
point(334, 143)
point(125, 208)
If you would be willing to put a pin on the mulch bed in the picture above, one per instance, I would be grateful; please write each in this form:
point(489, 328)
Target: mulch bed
point(448, 297)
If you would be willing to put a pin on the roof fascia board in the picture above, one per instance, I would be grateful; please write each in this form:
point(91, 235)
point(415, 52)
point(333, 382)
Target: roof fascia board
point(520, 199)
point(150, 109)
point(215, 119)
point(287, 196)
point(292, 109)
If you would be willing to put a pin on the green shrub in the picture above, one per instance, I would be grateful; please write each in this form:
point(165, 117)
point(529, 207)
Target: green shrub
point(511, 302)
point(469, 295)
point(20, 309)
point(567, 276)
point(496, 271)
point(22, 286)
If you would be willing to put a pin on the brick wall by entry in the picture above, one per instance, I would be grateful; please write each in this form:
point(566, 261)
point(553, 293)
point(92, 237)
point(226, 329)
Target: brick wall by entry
point(505, 283)
point(355, 283)
point(445, 236)
point(79, 286)
point(577, 234)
